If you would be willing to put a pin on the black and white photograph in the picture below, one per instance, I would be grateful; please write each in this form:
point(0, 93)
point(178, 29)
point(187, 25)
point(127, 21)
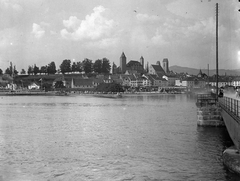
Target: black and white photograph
point(119, 90)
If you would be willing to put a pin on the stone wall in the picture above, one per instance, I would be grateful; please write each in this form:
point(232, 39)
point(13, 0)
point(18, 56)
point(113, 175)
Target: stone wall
point(209, 115)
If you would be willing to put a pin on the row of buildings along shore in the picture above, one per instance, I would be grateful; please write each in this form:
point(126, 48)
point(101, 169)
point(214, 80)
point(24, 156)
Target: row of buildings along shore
point(130, 74)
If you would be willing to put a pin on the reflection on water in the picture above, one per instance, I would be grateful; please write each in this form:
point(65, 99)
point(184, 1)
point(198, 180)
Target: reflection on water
point(139, 137)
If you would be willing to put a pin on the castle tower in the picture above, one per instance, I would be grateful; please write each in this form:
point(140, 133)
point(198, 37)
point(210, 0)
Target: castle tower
point(123, 61)
point(165, 65)
point(142, 61)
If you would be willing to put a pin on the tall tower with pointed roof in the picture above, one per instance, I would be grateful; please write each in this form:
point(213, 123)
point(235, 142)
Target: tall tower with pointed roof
point(165, 65)
point(123, 62)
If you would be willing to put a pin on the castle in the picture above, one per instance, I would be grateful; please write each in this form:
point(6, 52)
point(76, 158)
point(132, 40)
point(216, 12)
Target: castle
point(134, 66)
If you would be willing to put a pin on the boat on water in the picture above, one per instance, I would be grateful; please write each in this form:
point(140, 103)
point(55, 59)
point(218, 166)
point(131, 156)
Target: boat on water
point(118, 95)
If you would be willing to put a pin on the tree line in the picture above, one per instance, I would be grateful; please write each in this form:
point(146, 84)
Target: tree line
point(87, 66)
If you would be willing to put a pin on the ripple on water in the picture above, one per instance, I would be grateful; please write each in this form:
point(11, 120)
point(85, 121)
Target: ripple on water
point(83, 138)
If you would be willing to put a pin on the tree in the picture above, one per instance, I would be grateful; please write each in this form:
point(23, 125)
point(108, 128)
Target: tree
point(8, 71)
point(51, 68)
point(59, 84)
point(15, 72)
point(46, 86)
point(97, 66)
point(112, 87)
point(74, 67)
point(106, 66)
point(30, 70)
point(65, 66)
point(87, 65)
point(43, 69)
point(23, 71)
point(1, 72)
point(35, 69)
point(79, 66)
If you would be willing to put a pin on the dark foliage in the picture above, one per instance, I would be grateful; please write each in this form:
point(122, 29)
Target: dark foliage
point(59, 84)
point(112, 87)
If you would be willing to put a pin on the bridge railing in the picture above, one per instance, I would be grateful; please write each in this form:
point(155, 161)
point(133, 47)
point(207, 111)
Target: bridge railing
point(232, 106)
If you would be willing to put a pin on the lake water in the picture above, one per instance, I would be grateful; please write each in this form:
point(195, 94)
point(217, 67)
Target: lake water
point(142, 138)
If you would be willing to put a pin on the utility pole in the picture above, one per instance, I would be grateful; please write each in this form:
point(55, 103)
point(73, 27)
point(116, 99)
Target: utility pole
point(208, 77)
point(217, 51)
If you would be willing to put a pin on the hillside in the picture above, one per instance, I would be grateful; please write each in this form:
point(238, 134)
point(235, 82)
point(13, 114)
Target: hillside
point(193, 71)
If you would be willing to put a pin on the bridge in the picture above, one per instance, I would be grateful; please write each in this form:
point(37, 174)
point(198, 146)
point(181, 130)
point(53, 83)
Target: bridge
point(229, 112)
point(210, 109)
point(231, 115)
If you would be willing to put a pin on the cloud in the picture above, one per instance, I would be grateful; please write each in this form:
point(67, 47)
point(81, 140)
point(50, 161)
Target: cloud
point(147, 18)
point(103, 43)
point(93, 27)
point(6, 4)
point(158, 38)
point(37, 30)
point(72, 23)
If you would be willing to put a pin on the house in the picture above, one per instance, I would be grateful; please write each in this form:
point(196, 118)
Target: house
point(236, 81)
point(116, 78)
point(97, 82)
point(146, 81)
point(223, 81)
point(171, 78)
point(33, 85)
point(158, 81)
point(191, 82)
point(82, 83)
point(125, 80)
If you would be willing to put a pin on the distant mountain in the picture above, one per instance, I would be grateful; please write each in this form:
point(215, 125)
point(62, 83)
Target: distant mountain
point(193, 71)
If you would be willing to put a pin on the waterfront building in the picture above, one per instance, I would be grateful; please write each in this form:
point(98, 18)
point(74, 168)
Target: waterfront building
point(222, 81)
point(236, 81)
point(158, 81)
point(34, 86)
point(146, 81)
point(171, 78)
point(82, 83)
point(191, 82)
point(97, 82)
point(125, 80)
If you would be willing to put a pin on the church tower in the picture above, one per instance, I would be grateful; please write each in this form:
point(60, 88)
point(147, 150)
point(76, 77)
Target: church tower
point(142, 61)
point(123, 61)
point(165, 65)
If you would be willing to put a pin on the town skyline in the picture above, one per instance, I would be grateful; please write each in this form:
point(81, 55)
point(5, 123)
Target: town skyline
point(181, 30)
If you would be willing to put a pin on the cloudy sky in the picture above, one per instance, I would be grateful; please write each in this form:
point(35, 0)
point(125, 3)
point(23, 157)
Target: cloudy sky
point(41, 31)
